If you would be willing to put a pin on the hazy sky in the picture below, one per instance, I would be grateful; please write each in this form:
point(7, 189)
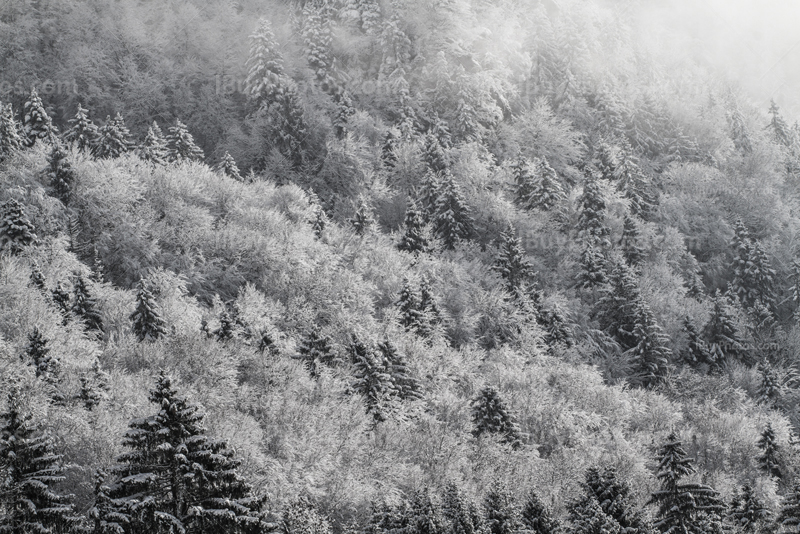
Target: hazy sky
point(753, 42)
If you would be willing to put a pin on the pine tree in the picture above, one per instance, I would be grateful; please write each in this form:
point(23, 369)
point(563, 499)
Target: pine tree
point(10, 139)
point(747, 511)
point(412, 315)
point(425, 515)
point(181, 146)
point(290, 125)
point(88, 394)
point(104, 515)
point(16, 231)
point(174, 478)
point(769, 460)
point(30, 469)
point(618, 308)
point(85, 306)
point(264, 65)
point(739, 133)
point(416, 238)
point(613, 496)
point(45, 366)
point(587, 517)
point(789, 517)
point(754, 277)
point(37, 278)
point(770, 390)
point(491, 416)
point(61, 298)
point(154, 147)
point(462, 515)
point(266, 343)
point(501, 512)
point(536, 517)
point(697, 352)
point(404, 386)
point(389, 148)
point(113, 139)
point(98, 268)
point(547, 190)
point(428, 194)
point(316, 350)
point(36, 123)
point(229, 168)
point(60, 172)
point(452, 221)
point(148, 325)
point(225, 332)
point(591, 223)
point(362, 221)
point(651, 354)
point(721, 331)
point(372, 379)
point(593, 268)
point(82, 132)
point(511, 265)
point(633, 253)
point(433, 154)
point(682, 507)
point(317, 37)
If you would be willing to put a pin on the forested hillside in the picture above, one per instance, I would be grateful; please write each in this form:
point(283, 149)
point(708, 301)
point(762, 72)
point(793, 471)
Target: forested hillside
point(389, 267)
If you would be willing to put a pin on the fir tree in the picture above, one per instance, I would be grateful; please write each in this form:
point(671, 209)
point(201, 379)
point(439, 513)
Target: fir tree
point(633, 253)
point(154, 147)
point(36, 123)
point(85, 306)
point(266, 343)
point(113, 139)
point(264, 65)
point(10, 139)
point(416, 238)
point(770, 389)
point(462, 515)
point(433, 154)
point(30, 469)
point(651, 354)
point(547, 191)
point(290, 125)
point(371, 379)
point(618, 308)
point(404, 386)
point(587, 517)
point(229, 168)
point(181, 146)
point(500, 510)
point(524, 182)
point(739, 133)
point(319, 222)
point(491, 416)
point(682, 506)
point(412, 315)
point(61, 298)
point(60, 172)
point(452, 221)
point(316, 350)
point(88, 394)
point(425, 515)
point(769, 460)
point(536, 517)
point(591, 223)
point(389, 148)
point(37, 278)
point(722, 333)
point(16, 231)
point(428, 194)
point(82, 132)
point(697, 352)
point(362, 221)
point(225, 332)
point(754, 278)
point(174, 478)
point(747, 511)
point(104, 515)
point(317, 37)
point(789, 517)
point(613, 496)
point(511, 265)
point(45, 366)
point(593, 268)
point(148, 325)
point(427, 302)
point(781, 132)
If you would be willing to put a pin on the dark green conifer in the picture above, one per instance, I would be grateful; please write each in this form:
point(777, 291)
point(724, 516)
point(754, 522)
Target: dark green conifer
point(412, 316)
point(10, 139)
point(290, 125)
point(593, 268)
point(463, 515)
point(491, 416)
point(789, 517)
point(770, 389)
point(301, 517)
point(433, 154)
point(88, 394)
point(613, 496)
point(547, 191)
point(104, 515)
point(651, 354)
point(85, 306)
point(37, 278)
point(371, 379)
point(697, 352)
point(82, 132)
point(404, 386)
point(722, 333)
point(60, 173)
point(16, 230)
point(587, 517)
point(181, 146)
point(769, 460)
point(45, 366)
point(148, 324)
point(618, 308)
point(319, 222)
point(427, 302)
point(591, 223)
point(61, 298)
point(426, 515)
point(389, 148)
point(524, 182)
point(225, 332)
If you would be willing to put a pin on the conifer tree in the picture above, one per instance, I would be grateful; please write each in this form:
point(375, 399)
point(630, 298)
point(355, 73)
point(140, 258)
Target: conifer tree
point(181, 146)
point(61, 298)
point(362, 221)
point(45, 366)
point(754, 277)
point(415, 238)
point(412, 315)
point(154, 147)
point(319, 222)
point(682, 506)
point(85, 306)
point(88, 394)
point(316, 350)
point(536, 517)
point(427, 302)
point(651, 354)
point(524, 182)
point(229, 168)
point(317, 37)
point(113, 139)
point(739, 133)
point(225, 332)
point(547, 190)
point(789, 517)
point(60, 172)
point(634, 254)
point(425, 515)
point(721, 331)
point(148, 325)
point(587, 517)
point(16, 231)
point(300, 517)
point(105, 517)
point(404, 386)
point(37, 277)
point(511, 265)
point(452, 221)
point(433, 154)
point(266, 344)
point(372, 379)
point(747, 511)
point(389, 148)
point(781, 132)
point(593, 268)
point(82, 132)
point(36, 123)
point(174, 478)
point(462, 514)
point(264, 65)
point(290, 125)
point(618, 308)
point(591, 223)
point(613, 496)
point(770, 389)
point(697, 352)
point(501, 512)
point(491, 416)
point(31, 469)
point(10, 139)
point(769, 460)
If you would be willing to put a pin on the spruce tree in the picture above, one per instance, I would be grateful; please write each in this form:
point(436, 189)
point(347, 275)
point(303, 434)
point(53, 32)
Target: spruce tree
point(104, 515)
point(85, 306)
point(362, 221)
point(747, 511)
point(113, 139)
point(225, 332)
point(412, 315)
point(10, 139)
point(613, 496)
point(154, 147)
point(148, 325)
point(371, 379)
point(266, 343)
point(753, 275)
point(651, 355)
point(536, 517)
point(591, 223)
point(770, 389)
point(316, 350)
point(415, 238)
point(37, 278)
point(433, 154)
point(60, 172)
point(491, 416)
point(428, 194)
point(511, 265)
point(633, 253)
point(16, 230)
point(739, 133)
point(61, 298)
point(593, 268)
point(30, 469)
point(37, 351)
point(618, 308)
point(769, 460)
point(452, 221)
point(524, 182)
point(547, 191)
point(587, 517)
point(780, 131)
point(181, 146)
point(264, 65)
point(463, 515)
point(228, 167)
point(500, 511)
point(319, 222)
point(290, 125)
point(174, 478)
point(389, 148)
point(427, 302)
point(404, 386)
point(82, 132)
point(721, 331)
point(697, 352)
point(682, 506)
point(88, 394)
point(789, 517)
point(36, 123)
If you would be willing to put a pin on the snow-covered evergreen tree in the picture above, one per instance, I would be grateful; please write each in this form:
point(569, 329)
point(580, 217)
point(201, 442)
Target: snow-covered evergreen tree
point(748, 512)
point(615, 500)
point(433, 154)
point(61, 298)
point(290, 125)
point(593, 268)
point(651, 355)
point(500, 510)
point(770, 388)
point(228, 167)
point(412, 316)
point(722, 333)
point(618, 308)
point(181, 146)
point(754, 277)
point(10, 139)
point(16, 230)
point(547, 190)
point(37, 278)
point(769, 460)
point(697, 351)
point(371, 379)
point(38, 353)
point(631, 250)
point(524, 182)
point(452, 221)
point(511, 265)
point(148, 324)
point(591, 223)
point(82, 133)
point(462, 514)
point(404, 386)
point(781, 132)
point(315, 350)
point(536, 517)
point(154, 147)
point(113, 139)
point(60, 173)
point(490, 415)
point(227, 325)
point(84, 306)
point(36, 123)
point(789, 517)
point(587, 517)
point(416, 235)
point(264, 65)
point(362, 220)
